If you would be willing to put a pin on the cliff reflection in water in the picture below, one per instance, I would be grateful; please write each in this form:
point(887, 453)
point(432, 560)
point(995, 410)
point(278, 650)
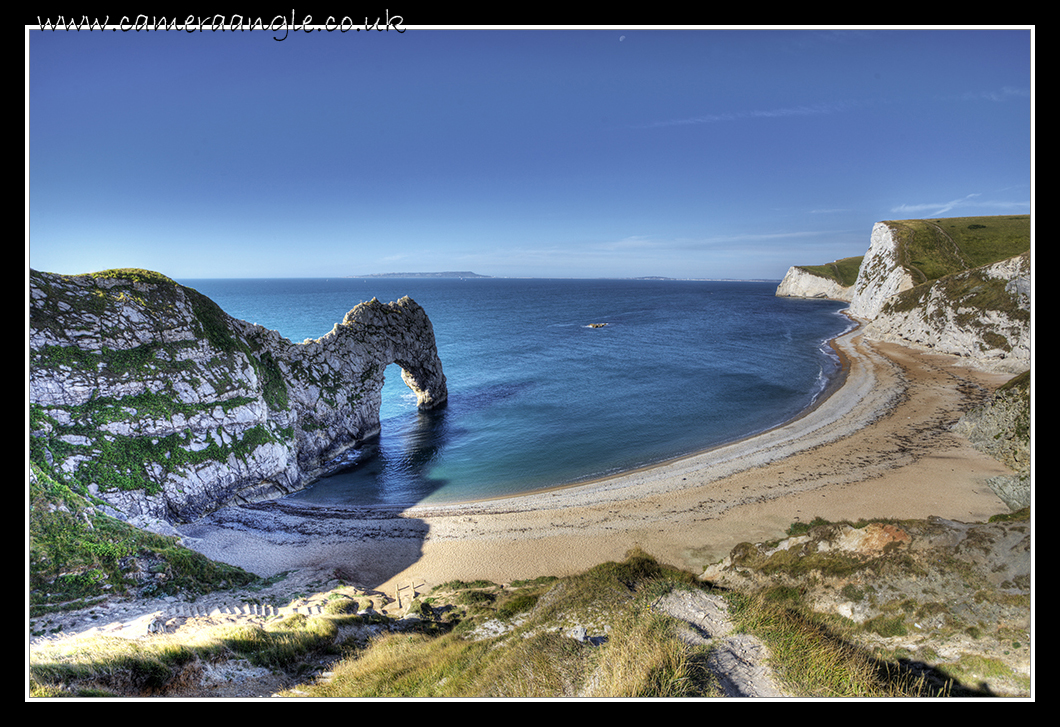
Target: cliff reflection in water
point(391, 469)
point(394, 469)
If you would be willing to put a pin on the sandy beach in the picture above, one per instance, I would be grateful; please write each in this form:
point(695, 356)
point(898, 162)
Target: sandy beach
point(879, 446)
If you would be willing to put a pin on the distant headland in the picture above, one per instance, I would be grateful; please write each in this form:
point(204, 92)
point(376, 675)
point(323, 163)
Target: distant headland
point(447, 274)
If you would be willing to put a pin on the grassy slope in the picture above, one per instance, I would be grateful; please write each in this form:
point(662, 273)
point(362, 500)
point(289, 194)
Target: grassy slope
point(934, 248)
point(486, 640)
point(945, 252)
point(79, 555)
point(844, 272)
point(931, 249)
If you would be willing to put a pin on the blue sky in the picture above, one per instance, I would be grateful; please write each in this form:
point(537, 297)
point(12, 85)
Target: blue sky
point(532, 153)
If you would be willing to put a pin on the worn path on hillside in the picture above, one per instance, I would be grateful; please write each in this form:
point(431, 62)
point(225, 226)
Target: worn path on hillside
point(740, 662)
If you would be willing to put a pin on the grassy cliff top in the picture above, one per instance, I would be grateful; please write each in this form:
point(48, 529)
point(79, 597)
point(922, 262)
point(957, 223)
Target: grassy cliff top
point(844, 272)
point(931, 249)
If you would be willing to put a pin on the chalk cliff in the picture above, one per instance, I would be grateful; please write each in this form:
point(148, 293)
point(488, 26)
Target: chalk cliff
point(148, 394)
point(801, 283)
point(983, 315)
point(881, 275)
point(952, 285)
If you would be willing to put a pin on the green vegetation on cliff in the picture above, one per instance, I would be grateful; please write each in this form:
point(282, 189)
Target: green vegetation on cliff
point(79, 555)
point(844, 272)
point(102, 434)
point(971, 290)
point(931, 249)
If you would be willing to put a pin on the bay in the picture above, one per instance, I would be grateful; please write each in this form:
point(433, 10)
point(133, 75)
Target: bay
point(538, 398)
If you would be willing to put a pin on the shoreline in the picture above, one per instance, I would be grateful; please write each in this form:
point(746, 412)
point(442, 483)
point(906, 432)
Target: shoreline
point(735, 451)
point(835, 384)
point(879, 445)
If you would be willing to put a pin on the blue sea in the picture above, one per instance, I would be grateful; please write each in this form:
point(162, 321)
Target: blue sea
point(538, 398)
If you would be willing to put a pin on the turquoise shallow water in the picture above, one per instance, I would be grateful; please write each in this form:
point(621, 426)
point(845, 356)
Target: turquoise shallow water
point(537, 398)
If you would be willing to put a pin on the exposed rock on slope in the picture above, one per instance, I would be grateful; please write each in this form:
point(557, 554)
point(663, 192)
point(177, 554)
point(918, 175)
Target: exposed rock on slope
point(146, 392)
point(983, 315)
point(1001, 429)
point(954, 597)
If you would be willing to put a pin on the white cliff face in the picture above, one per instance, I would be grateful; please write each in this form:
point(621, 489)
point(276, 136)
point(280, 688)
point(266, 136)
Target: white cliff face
point(164, 406)
point(881, 274)
point(982, 315)
point(800, 283)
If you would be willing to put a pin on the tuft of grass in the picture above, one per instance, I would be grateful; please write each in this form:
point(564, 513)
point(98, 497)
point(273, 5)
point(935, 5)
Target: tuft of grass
point(406, 665)
point(980, 668)
point(516, 604)
point(814, 659)
point(282, 644)
point(109, 666)
point(546, 664)
point(1021, 514)
point(801, 528)
point(646, 658)
point(342, 606)
point(463, 585)
point(887, 625)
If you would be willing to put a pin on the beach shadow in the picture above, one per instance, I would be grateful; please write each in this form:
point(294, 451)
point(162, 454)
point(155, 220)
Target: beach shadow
point(352, 523)
point(388, 471)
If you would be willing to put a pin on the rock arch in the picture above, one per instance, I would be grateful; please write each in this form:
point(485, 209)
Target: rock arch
point(401, 333)
point(335, 383)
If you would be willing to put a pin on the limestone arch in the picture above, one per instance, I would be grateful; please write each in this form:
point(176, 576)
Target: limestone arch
point(401, 333)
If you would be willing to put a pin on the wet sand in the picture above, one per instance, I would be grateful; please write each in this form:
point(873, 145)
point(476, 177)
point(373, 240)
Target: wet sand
point(879, 446)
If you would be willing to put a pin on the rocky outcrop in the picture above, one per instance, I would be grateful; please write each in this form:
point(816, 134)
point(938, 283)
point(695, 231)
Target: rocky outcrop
point(1001, 428)
point(801, 283)
point(148, 394)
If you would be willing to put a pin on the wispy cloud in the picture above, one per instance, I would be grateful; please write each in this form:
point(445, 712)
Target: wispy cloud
point(997, 96)
point(788, 111)
point(935, 209)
